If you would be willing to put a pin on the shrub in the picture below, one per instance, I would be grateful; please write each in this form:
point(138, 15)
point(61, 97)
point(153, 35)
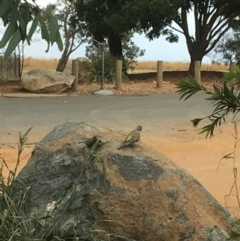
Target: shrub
point(94, 67)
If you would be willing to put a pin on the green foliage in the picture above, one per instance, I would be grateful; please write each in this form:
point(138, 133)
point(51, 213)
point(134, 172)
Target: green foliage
point(188, 87)
point(107, 18)
point(225, 101)
point(72, 29)
point(228, 49)
point(232, 76)
point(235, 231)
point(94, 67)
point(17, 15)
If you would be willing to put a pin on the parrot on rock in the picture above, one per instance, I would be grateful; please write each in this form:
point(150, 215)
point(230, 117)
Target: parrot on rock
point(132, 137)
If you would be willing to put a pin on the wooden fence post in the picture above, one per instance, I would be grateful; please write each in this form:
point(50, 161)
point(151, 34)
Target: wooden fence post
point(75, 73)
point(118, 82)
point(197, 71)
point(159, 73)
point(232, 66)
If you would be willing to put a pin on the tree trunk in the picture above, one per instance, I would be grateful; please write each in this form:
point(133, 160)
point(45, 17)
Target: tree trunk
point(62, 61)
point(194, 56)
point(115, 47)
point(65, 56)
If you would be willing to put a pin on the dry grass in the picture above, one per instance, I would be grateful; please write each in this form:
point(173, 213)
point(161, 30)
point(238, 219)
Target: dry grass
point(141, 66)
point(31, 63)
point(177, 66)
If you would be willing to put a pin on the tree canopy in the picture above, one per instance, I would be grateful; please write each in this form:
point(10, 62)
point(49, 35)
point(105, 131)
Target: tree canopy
point(227, 49)
point(72, 30)
point(212, 19)
point(112, 19)
point(21, 19)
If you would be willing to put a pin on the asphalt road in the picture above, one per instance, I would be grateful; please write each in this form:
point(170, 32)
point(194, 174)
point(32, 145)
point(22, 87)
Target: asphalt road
point(158, 114)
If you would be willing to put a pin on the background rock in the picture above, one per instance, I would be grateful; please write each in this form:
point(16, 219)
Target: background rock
point(46, 81)
point(83, 66)
point(136, 193)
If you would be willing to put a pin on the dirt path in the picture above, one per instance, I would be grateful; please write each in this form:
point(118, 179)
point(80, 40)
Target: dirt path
point(189, 150)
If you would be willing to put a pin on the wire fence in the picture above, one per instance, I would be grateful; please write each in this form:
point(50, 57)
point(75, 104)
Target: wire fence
point(10, 68)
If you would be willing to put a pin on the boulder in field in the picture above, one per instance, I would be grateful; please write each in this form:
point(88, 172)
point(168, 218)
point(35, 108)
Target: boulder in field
point(77, 175)
point(46, 81)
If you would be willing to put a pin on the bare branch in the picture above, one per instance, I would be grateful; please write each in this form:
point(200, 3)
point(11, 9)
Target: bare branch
point(218, 26)
point(175, 29)
point(184, 26)
point(79, 44)
point(197, 29)
point(217, 40)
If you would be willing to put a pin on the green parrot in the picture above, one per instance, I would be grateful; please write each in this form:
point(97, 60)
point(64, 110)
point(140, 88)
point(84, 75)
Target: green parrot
point(132, 137)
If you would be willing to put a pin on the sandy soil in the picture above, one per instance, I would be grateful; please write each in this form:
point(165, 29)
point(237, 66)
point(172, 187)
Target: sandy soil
point(189, 150)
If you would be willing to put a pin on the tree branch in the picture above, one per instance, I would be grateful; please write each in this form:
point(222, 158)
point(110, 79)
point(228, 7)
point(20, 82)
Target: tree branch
point(218, 27)
point(78, 45)
point(175, 29)
point(213, 17)
point(184, 26)
point(216, 40)
point(197, 29)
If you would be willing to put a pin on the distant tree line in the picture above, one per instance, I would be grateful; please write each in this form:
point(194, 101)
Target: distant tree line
point(111, 21)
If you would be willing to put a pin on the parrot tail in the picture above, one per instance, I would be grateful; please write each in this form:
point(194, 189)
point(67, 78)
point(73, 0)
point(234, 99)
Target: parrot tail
point(122, 146)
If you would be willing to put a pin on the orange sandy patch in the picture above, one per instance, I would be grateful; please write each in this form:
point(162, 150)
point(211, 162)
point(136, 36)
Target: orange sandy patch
point(189, 150)
point(10, 156)
point(201, 158)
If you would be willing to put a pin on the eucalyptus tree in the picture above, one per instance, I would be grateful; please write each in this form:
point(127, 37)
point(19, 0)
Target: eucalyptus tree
point(21, 19)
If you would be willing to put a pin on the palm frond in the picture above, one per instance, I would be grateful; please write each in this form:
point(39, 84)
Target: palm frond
point(188, 87)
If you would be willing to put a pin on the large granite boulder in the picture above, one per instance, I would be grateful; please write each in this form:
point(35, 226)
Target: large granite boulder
point(46, 81)
point(77, 175)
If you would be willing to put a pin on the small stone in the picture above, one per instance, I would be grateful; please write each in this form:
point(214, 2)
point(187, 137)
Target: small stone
point(103, 92)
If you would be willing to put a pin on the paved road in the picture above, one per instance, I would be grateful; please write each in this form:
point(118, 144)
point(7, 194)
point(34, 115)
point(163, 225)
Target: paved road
point(159, 114)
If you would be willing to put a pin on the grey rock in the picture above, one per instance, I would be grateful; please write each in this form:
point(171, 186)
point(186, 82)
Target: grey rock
point(46, 81)
point(103, 92)
point(68, 69)
point(136, 192)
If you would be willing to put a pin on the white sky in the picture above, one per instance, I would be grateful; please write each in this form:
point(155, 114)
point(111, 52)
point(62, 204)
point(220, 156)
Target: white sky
point(158, 49)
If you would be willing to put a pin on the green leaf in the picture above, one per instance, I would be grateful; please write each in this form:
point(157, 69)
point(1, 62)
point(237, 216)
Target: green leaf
point(53, 28)
point(8, 34)
point(208, 129)
point(59, 41)
point(22, 23)
point(45, 35)
point(33, 28)
point(195, 122)
point(233, 76)
point(5, 18)
point(13, 43)
point(5, 6)
point(187, 88)
point(14, 13)
point(26, 14)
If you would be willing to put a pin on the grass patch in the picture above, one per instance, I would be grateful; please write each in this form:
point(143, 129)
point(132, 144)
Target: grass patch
point(178, 66)
point(33, 63)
